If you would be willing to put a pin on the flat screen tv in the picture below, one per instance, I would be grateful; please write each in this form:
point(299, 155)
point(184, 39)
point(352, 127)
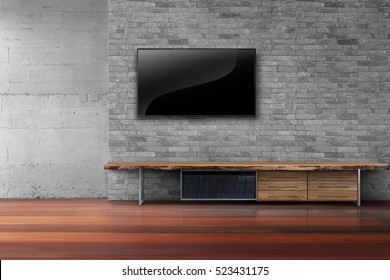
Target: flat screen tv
point(196, 82)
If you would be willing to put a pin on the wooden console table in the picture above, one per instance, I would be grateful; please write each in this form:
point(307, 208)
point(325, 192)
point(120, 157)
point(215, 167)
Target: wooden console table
point(279, 181)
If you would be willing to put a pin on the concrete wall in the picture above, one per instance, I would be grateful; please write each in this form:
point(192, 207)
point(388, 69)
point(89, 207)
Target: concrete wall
point(323, 86)
point(53, 98)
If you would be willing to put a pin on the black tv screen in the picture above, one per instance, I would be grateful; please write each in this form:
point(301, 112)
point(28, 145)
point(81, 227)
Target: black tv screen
point(196, 82)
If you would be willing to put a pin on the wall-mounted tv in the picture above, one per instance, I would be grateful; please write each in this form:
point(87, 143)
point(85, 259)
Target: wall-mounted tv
point(196, 82)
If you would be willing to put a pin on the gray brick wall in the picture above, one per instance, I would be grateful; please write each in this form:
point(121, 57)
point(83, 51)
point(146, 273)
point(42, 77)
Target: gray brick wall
point(323, 86)
point(53, 98)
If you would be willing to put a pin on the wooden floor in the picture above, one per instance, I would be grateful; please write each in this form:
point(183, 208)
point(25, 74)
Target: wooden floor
point(102, 229)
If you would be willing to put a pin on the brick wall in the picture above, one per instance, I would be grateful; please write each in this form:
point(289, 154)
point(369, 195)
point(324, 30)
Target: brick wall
point(53, 98)
point(323, 86)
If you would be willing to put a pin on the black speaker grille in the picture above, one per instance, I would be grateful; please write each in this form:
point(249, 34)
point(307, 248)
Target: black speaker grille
point(219, 185)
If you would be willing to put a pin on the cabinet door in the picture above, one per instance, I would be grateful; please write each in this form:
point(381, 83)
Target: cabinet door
point(341, 195)
point(332, 186)
point(282, 195)
point(282, 185)
point(281, 175)
point(345, 175)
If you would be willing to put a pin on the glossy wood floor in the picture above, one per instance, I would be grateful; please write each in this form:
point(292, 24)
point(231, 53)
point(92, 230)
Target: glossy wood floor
point(102, 229)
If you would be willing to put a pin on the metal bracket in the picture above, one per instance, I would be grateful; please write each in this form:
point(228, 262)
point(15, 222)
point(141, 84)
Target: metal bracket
point(358, 202)
point(141, 186)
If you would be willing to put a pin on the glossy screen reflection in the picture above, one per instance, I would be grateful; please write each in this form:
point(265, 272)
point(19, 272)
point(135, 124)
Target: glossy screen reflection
point(196, 82)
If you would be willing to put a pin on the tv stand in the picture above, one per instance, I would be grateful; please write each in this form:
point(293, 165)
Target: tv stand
point(279, 181)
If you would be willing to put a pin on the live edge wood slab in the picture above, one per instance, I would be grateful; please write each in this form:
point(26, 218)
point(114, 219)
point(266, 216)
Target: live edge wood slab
point(304, 166)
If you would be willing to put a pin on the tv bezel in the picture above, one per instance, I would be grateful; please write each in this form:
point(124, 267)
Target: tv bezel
point(201, 115)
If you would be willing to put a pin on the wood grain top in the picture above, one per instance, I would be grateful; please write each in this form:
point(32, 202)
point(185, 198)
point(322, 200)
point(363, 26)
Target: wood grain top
point(186, 165)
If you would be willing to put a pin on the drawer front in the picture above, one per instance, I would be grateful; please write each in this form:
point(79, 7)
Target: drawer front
point(282, 185)
point(332, 185)
point(332, 196)
point(281, 175)
point(281, 195)
point(348, 175)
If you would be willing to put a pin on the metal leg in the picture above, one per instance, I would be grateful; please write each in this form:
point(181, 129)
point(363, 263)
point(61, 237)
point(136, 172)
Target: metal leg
point(141, 186)
point(358, 202)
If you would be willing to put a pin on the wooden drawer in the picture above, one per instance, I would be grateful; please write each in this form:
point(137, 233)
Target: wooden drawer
point(332, 185)
point(348, 175)
point(281, 195)
point(282, 185)
point(333, 196)
point(282, 175)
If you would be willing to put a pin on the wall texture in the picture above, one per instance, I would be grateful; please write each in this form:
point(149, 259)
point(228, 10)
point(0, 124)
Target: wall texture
point(323, 86)
point(53, 98)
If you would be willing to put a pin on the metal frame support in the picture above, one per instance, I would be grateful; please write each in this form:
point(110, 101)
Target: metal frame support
point(358, 202)
point(141, 186)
